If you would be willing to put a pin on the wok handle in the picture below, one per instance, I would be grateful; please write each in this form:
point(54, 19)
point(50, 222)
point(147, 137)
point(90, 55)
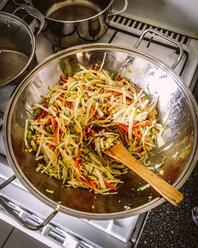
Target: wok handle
point(34, 13)
point(22, 222)
point(166, 38)
point(8, 181)
point(120, 11)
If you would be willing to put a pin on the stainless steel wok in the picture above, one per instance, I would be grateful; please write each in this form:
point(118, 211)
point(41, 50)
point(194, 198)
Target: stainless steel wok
point(155, 78)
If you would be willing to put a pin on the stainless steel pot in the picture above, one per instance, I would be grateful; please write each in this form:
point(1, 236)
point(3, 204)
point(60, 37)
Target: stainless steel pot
point(71, 23)
point(175, 100)
point(17, 47)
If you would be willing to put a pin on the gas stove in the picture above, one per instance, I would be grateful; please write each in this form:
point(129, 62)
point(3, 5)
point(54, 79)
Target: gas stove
point(68, 231)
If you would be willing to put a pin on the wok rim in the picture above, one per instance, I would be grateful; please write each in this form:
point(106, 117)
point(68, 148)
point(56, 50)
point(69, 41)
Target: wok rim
point(88, 215)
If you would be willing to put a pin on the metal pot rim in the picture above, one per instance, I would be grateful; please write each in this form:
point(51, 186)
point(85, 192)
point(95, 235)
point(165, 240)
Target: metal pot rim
point(27, 28)
point(82, 20)
point(100, 216)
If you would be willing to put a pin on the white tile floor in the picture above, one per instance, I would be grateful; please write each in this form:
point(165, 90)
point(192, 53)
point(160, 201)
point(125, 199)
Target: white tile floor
point(11, 237)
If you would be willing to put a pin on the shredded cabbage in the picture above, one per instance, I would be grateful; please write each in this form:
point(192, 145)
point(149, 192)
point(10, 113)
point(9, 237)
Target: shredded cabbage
point(85, 114)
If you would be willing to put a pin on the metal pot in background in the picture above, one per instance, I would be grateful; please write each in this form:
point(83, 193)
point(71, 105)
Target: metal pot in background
point(70, 23)
point(17, 47)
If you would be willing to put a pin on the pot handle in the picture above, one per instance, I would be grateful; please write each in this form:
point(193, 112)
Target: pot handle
point(33, 12)
point(21, 221)
point(166, 38)
point(120, 11)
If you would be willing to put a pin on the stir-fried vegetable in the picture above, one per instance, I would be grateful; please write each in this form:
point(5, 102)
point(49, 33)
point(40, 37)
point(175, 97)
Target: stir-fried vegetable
point(82, 116)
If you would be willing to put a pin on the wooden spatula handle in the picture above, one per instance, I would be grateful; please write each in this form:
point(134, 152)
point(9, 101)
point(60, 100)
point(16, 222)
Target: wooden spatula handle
point(120, 153)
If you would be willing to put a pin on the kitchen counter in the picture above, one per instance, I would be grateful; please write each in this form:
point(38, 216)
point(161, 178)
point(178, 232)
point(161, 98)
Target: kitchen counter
point(168, 226)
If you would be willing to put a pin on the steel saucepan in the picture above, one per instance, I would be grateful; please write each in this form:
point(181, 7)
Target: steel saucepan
point(70, 23)
point(17, 47)
point(155, 78)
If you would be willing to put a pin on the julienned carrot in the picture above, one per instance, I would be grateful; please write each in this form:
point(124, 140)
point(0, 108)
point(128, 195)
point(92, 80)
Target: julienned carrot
point(84, 135)
point(60, 99)
point(128, 100)
point(69, 103)
point(55, 123)
point(138, 135)
point(109, 185)
point(118, 78)
point(92, 109)
point(108, 105)
point(116, 93)
point(90, 131)
point(125, 128)
point(93, 185)
point(42, 115)
point(144, 124)
point(63, 78)
point(85, 181)
point(49, 122)
point(77, 161)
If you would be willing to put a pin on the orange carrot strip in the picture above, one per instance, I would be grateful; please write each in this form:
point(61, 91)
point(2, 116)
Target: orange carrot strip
point(138, 135)
point(93, 185)
point(84, 135)
point(109, 185)
point(90, 131)
point(49, 122)
point(144, 124)
point(125, 128)
point(116, 93)
point(55, 123)
point(63, 78)
point(69, 103)
point(118, 78)
point(108, 105)
point(60, 99)
point(128, 100)
point(85, 181)
point(41, 116)
point(92, 109)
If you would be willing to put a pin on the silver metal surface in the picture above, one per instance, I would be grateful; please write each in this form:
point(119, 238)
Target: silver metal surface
point(24, 222)
point(33, 12)
point(84, 21)
point(147, 73)
point(16, 55)
point(166, 38)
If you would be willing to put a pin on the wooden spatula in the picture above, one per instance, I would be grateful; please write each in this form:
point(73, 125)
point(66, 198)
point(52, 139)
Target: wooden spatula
point(120, 153)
